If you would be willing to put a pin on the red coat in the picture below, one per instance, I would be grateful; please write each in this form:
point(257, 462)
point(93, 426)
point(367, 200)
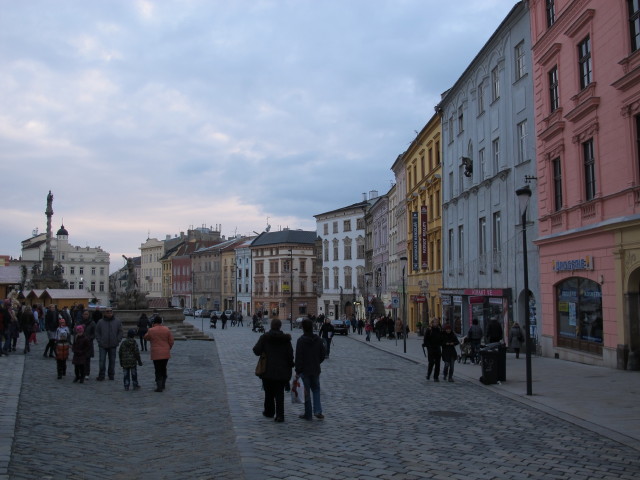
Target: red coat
point(161, 340)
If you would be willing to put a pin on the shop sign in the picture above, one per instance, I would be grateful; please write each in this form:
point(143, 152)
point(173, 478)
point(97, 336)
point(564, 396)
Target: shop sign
point(585, 263)
point(418, 298)
point(485, 292)
point(423, 236)
point(415, 241)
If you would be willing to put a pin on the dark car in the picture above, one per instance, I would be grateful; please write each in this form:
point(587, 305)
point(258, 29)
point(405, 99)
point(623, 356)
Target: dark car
point(188, 312)
point(340, 327)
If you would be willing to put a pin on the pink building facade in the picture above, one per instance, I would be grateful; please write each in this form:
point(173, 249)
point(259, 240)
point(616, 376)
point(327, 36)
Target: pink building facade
point(587, 112)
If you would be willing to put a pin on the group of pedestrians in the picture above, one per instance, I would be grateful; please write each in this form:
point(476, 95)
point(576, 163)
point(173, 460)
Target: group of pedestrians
point(440, 342)
point(277, 348)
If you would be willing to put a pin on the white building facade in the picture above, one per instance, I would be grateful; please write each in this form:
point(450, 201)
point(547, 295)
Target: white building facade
point(488, 153)
point(342, 236)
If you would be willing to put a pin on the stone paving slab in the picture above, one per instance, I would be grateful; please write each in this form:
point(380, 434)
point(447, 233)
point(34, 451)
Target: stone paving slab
point(98, 430)
point(384, 420)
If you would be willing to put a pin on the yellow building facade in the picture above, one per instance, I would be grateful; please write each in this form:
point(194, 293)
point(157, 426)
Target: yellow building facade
point(424, 224)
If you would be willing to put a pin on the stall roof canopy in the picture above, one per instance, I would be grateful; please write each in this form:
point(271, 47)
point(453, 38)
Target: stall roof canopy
point(10, 275)
point(59, 294)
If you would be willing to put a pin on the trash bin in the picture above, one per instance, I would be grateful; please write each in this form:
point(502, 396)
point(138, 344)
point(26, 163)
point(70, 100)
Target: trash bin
point(489, 359)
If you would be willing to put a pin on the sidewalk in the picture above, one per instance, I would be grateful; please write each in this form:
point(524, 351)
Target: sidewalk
point(600, 399)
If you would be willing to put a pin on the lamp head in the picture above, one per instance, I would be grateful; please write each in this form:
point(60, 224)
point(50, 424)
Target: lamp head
point(524, 195)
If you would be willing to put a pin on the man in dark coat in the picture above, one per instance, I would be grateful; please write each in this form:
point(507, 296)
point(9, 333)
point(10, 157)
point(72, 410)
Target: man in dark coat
point(51, 325)
point(433, 341)
point(277, 347)
point(309, 356)
point(326, 332)
point(108, 335)
point(494, 331)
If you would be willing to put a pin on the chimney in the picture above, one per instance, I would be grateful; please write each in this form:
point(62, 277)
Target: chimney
point(373, 194)
point(364, 196)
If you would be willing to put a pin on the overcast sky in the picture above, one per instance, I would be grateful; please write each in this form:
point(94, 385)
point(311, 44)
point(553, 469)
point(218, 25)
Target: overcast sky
point(145, 118)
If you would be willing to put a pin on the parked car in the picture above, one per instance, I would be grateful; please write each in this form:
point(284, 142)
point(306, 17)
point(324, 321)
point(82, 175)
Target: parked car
point(188, 312)
point(217, 313)
point(340, 327)
point(204, 313)
point(228, 313)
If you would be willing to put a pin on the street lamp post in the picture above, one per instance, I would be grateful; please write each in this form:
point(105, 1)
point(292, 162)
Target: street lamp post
point(524, 195)
point(404, 306)
point(291, 286)
point(366, 300)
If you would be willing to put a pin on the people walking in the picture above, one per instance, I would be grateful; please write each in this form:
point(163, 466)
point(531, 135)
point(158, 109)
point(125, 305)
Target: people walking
point(494, 331)
point(214, 319)
point(161, 340)
point(278, 350)
point(62, 337)
point(90, 335)
point(326, 333)
point(27, 322)
point(81, 350)
point(433, 342)
point(475, 338)
point(51, 325)
point(129, 358)
point(368, 329)
point(516, 338)
point(223, 319)
point(143, 328)
point(108, 335)
point(309, 356)
point(449, 353)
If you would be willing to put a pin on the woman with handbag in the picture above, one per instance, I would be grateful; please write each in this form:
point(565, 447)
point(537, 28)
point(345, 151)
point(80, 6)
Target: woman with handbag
point(278, 351)
point(516, 338)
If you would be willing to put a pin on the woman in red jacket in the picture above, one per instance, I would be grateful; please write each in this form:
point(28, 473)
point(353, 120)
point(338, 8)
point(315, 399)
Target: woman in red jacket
point(161, 340)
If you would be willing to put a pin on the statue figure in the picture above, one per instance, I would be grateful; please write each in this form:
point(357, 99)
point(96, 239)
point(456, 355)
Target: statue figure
point(35, 270)
point(132, 283)
point(49, 204)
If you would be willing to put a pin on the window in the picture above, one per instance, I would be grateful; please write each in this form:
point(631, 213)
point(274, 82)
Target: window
point(335, 227)
point(557, 184)
point(72, 270)
point(451, 129)
point(554, 98)
point(325, 251)
point(497, 242)
point(326, 229)
point(360, 248)
point(430, 159)
point(460, 179)
point(335, 249)
point(634, 23)
point(93, 286)
point(482, 244)
point(579, 313)
point(584, 62)
point(423, 171)
point(551, 12)
point(81, 270)
point(348, 282)
point(495, 84)
point(80, 285)
point(450, 252)
point(481, 162)
point(347, 248)
point(522, 141)
point(93, 270)
point(101, 270)
point(302, 265)
point(346, 225)
point(495, 147)
point(326, 279)
point(451, 195)
point(519, 59)
point(480, 98)
point(336, 278)
point(460, 248)
point(637, 117)
point(589, 170)
point(72, 285)
point(360, 224)
point(460, 120)
point(437, 153)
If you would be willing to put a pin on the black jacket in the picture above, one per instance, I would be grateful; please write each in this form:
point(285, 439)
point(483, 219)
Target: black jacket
point(326, 330)
point(433, 338)
point(449, 342)
point(277, 346)
point(494, 332)
point(309, 354)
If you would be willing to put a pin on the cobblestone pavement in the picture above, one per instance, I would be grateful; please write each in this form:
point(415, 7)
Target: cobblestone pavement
point(383, 421)
point(98, 430)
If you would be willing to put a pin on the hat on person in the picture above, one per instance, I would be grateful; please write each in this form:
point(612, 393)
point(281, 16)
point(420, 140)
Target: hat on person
point(131, 333)
point(80, 329)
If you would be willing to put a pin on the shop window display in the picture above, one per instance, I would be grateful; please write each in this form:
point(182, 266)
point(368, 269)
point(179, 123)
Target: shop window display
point(579, 313)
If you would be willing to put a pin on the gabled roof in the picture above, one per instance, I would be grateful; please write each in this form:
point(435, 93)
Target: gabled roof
point(360, 205)
point(10, 274)
point(59, 294)
point(300, 237)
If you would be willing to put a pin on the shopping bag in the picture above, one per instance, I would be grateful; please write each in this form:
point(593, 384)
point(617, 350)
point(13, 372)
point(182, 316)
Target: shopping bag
point(297, 390)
